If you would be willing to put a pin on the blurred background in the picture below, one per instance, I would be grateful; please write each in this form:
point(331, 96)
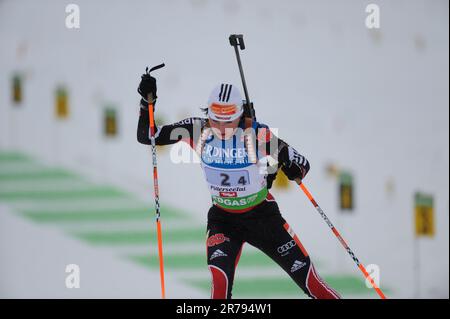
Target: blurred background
point(367, 106)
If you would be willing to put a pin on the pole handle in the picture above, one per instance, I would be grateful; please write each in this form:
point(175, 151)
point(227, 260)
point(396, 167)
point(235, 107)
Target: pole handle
point(159, 66)
point(150, 97)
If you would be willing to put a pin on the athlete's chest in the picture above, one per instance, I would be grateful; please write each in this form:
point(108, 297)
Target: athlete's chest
point(230, 153)
point(226, 164)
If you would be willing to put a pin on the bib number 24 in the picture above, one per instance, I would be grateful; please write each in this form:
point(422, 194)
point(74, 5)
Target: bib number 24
point(226, 178)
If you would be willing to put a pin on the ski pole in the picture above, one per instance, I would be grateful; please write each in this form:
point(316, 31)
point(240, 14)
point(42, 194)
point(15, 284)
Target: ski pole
point(155, 184)
point(237, 40)
point(342, 241)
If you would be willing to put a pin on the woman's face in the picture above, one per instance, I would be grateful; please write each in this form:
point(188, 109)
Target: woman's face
point(224, 130)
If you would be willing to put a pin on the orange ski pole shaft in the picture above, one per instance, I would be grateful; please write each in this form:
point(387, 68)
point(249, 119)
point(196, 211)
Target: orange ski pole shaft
point(342, 241)
point(157, 206)
point(156, 188)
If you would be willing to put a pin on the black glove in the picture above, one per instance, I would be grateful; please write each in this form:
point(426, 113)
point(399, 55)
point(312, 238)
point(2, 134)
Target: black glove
point(146, 87)
point(293, 165)
point(293, 171)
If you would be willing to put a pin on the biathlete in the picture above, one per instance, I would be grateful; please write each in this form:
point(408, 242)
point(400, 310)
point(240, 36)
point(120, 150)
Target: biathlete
point(240, 159)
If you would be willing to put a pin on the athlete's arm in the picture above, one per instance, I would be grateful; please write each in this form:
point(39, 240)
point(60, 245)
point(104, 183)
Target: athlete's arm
point(186, 130)
point(293, 164)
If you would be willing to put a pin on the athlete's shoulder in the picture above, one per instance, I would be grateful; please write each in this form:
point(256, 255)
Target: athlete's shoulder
point(255, 124)
point(263, 132)
point(260, 125)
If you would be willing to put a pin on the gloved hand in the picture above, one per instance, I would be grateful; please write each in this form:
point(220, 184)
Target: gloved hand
point(147, 86)
point(294, 165)
point(293, 172)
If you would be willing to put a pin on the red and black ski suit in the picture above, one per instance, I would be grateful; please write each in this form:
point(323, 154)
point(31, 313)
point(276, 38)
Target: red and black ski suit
point(262, 226)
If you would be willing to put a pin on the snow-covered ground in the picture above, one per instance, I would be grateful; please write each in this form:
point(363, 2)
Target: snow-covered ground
point(373, 102)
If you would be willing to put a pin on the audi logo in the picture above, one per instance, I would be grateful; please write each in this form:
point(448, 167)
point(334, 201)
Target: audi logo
point(286, 246)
